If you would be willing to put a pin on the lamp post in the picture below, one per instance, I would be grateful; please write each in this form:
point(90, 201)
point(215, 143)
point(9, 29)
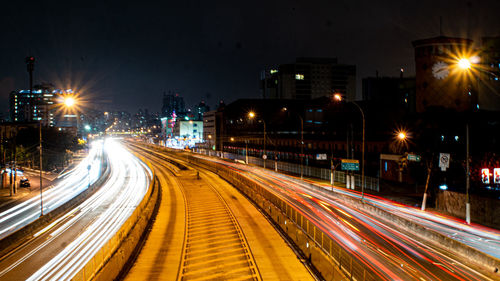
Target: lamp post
point(252, 115)
point(68, 102)
point(465, 65)
point(338, 97)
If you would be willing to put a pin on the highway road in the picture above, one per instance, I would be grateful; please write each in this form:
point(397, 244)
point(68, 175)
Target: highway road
point(60, 250)
point(68, 185)
point(388, 252)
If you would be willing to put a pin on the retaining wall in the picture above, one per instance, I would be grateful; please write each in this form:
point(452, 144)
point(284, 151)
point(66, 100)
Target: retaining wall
point(483, 210)
point(108, 263)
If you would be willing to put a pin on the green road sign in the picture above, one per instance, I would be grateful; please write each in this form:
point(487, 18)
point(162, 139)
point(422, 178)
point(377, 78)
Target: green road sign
point(414, 157)
point(350, 165)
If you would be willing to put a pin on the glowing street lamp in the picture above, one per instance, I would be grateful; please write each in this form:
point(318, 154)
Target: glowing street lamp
point(69, 101)
point(402, 136)
point(464, 63)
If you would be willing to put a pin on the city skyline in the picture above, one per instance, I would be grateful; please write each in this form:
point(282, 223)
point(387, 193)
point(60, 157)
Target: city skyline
point(120, 52)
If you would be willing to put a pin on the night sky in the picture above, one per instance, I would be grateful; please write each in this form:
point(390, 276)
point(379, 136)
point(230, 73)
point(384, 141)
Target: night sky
point(125, 54)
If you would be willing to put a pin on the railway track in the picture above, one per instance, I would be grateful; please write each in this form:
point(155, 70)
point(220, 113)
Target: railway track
point(215, 248)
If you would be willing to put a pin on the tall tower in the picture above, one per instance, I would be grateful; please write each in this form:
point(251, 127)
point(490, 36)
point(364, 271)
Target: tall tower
point(439, 84)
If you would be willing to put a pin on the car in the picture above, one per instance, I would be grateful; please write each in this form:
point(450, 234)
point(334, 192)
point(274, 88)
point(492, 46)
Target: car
point(25, 182)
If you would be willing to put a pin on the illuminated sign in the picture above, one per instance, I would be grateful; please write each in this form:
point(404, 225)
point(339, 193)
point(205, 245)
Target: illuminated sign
point(496, 175)
point(485, 176)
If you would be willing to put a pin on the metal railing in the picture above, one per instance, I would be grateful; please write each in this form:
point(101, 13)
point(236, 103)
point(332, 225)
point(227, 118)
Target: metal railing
point(371, 183)
point(306, 232)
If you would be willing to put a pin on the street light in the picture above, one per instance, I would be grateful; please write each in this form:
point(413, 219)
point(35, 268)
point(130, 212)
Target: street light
point(338, 97)
point(464, 64)
point(252, 115)
point(402, 136)
point(67, 102)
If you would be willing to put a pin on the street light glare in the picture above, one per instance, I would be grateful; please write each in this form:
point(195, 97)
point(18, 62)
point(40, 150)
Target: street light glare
point(464, 63)
point(251, 114)
point(69, 101)
point(337, 97)
point(402, 136)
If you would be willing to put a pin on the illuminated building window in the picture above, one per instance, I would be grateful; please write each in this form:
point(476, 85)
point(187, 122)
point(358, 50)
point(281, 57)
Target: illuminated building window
point(274, 71)
point(299, 76)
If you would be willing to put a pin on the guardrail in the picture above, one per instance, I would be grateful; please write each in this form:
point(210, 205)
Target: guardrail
point(471, 254)
point(371, 183)
point(324, 253)
point(109, 261)
point(23, 234)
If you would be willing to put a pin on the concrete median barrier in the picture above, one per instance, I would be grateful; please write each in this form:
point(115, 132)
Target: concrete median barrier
point(108, 263)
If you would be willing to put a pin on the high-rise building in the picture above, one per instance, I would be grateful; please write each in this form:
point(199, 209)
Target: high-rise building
point(38, 105)
point(172, 103)
point(309, 78)
point(439, 82)
point(201, 108)
point(397, 91)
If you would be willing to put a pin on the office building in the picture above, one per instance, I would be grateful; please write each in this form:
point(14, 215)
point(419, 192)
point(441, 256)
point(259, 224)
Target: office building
point(397, 91)
point(173, 103)
point(309, 78)
point(42, 104)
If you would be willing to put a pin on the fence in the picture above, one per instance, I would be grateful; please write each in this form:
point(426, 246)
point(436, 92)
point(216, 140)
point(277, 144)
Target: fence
point(371, 183)
point(326, 254)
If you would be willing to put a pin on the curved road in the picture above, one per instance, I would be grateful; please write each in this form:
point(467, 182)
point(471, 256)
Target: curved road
point(60, 250)
point(388, 253)
point(68, 186)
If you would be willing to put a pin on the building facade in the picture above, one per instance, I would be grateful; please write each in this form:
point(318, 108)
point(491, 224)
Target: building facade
point(440, 83)
point(489, 84)
point(309, 78)
point(399, 91)
point(172, 103)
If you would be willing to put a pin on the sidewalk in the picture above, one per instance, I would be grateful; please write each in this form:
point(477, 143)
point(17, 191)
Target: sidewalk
point(23, 193)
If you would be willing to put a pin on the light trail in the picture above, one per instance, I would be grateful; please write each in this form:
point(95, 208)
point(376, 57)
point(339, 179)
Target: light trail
point(85, 229)
point(114, 202)
point(387, 252)
point(68, 186)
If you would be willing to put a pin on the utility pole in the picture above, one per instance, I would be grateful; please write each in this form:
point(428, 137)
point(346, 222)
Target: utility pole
point(467, 182)
point(30, 65)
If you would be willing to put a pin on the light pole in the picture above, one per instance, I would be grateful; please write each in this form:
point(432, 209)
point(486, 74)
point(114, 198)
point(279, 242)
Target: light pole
point(251, 115)
point(68, 102)
point(465, 65)
point(339, 98)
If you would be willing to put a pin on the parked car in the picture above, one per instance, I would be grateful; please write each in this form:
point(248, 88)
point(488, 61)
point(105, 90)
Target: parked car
point(25, 182)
